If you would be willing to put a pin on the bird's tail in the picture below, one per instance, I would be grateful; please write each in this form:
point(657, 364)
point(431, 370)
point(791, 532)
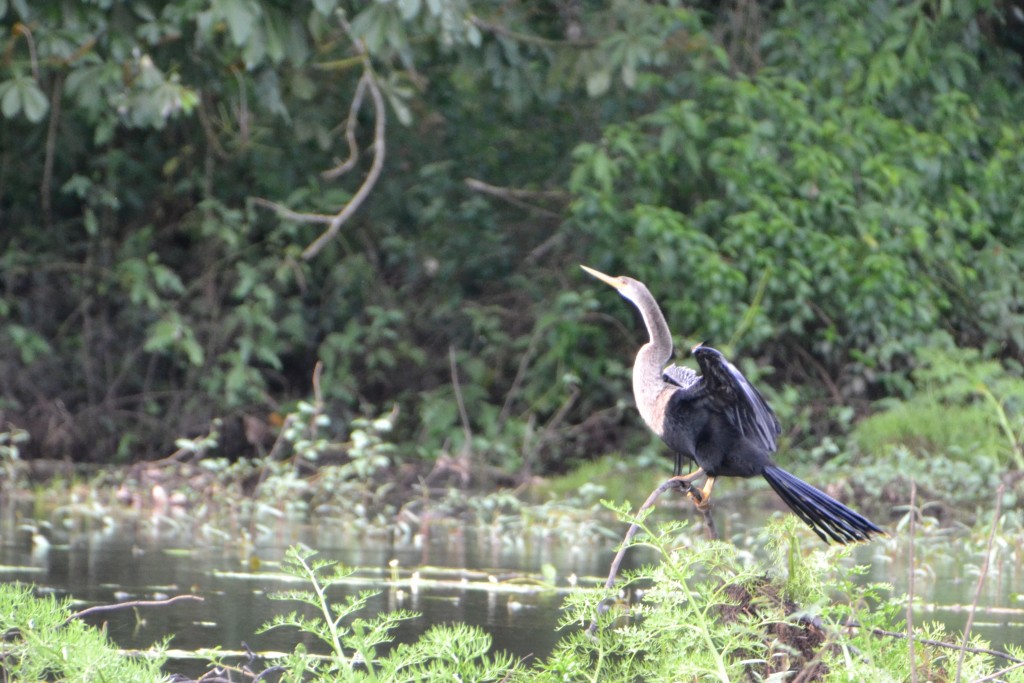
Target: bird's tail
point(823, 513)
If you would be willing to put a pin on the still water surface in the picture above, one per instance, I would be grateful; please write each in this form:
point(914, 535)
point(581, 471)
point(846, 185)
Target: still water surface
point(104, 562)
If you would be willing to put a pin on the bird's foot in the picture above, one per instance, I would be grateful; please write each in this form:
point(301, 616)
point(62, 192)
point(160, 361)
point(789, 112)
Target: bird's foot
point(698, 499)
point(702, 497)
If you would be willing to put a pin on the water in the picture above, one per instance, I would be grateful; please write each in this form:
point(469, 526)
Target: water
point(103, 561)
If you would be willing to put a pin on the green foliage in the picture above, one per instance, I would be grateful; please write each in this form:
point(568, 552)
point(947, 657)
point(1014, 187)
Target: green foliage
point(824, 192)
point(966, 407)
point(42, 641)
point(456, 652)
point(308, 471)
point(706, 613)
point(867, 170)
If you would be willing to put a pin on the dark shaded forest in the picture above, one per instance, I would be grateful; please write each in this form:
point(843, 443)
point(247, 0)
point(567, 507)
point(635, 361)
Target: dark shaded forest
point(200, 201)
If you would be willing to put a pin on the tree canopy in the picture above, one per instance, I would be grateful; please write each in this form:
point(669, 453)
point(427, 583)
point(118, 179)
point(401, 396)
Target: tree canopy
point(200, 200)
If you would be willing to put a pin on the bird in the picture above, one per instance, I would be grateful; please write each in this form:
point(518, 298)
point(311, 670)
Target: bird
point(720, 421)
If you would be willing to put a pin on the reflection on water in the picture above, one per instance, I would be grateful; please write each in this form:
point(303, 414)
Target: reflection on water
point(101, 561)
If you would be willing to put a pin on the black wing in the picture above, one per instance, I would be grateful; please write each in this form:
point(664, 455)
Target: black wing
point(741, 403)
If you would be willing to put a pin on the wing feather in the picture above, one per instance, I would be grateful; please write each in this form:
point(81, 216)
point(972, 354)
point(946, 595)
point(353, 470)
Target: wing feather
point(682, 377)
point(743, 405)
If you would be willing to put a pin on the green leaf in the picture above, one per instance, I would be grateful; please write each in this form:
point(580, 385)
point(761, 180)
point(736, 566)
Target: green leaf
point(34, 102)
point(325, 7)
point(240, 15)
point(598, 82)
point(162, 335)
point(22, 95)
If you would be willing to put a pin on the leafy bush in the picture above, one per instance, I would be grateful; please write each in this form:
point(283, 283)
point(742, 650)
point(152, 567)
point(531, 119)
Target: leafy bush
point(865, 170)
point(965, 407)
point(821, 193)
point(708, 614)
point(455, 652)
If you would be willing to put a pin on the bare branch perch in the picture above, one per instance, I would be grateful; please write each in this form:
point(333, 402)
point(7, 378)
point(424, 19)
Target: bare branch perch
point(289, 215)
point(519, 197)
point(367, 83)
point(132, 603)
point(371, 178)
point(350, 132)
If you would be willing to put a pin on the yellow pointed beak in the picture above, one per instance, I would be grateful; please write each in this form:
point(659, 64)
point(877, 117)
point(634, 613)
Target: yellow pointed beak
point(607, 279)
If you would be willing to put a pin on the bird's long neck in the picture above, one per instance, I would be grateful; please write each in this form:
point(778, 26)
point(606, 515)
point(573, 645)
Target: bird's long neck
point(650, 361)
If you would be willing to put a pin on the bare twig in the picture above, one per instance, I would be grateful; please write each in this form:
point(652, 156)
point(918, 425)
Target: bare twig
point(465, 453)
point(527, 38)
point(531, 449)
point(131, 603)
point(367, 83)
point(519, 197)
point(318, 371)
point(668, 485)
point(243, 106)
point(939, 643)
point(829, 383)
point(350, 132)
point(46, 185)
point(524, 362)
point(1001, 672)
point(23, 30)
point(207, 126)
point(290, 215)
point(710, 530)
point(910, 583)
point(981, 581)
point(371, 177)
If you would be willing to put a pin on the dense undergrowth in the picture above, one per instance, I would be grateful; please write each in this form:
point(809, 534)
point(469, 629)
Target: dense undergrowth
point(817, 188)
point(704, 611)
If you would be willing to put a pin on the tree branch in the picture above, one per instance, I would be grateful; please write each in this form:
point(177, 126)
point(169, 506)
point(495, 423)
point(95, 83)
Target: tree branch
point(367, 83)
point(518, 197)
point(350, 132)
point(527, 38)
point(131, 603)
point(46, 185)
point(371, 177)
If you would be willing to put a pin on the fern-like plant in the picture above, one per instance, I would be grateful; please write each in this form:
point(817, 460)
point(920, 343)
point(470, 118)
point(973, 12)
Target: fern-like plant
point(355, 643)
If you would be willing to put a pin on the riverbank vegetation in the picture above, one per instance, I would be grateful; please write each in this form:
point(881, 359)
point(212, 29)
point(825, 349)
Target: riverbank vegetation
point(704, 611)
point(838, 216)
point(319, 262)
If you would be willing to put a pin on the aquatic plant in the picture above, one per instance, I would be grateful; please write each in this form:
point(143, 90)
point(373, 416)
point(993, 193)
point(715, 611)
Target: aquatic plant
point(444, 652)
point(42, 640)
point(708, 612)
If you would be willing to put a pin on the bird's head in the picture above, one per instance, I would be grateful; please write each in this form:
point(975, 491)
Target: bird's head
point(630, 289)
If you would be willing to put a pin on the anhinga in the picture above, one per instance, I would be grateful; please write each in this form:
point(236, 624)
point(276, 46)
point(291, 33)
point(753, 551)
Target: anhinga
point(721, 422)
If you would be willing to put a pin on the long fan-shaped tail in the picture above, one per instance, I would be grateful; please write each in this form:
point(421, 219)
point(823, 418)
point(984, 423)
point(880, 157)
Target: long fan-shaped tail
point(823, 513)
